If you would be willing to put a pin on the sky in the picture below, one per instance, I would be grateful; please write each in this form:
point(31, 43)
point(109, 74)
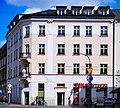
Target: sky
point(10, 8)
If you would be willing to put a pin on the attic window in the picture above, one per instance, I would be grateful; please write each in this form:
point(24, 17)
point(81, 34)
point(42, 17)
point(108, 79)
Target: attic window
point(103, 12)
point(88, 12)
point(76, 12)
point(61, 12)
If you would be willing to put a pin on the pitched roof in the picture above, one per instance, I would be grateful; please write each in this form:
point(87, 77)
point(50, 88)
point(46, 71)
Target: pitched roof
point(116, 12)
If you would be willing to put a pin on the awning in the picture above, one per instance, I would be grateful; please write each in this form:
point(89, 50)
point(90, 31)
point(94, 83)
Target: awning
point(117, 90)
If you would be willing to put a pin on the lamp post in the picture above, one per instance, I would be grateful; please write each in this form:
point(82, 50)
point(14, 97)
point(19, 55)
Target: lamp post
point(89, 79)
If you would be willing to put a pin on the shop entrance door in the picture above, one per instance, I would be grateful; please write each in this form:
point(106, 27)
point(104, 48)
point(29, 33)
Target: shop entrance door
point(60, 98)
point(26, 98)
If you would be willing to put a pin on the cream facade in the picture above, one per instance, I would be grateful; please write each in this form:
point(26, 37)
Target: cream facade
point(34, 60)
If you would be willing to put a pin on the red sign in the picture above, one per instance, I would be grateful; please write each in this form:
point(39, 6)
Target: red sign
point(76, 99)
point(81, 85)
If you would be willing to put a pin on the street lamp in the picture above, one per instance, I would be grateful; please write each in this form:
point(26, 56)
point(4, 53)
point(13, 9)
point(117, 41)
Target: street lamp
point(89, 79)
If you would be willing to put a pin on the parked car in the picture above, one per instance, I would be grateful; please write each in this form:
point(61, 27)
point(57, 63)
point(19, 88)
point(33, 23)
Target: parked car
point(109, 102)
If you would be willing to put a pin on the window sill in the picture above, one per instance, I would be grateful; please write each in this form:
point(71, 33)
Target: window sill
point(60, 54)
point(61, 35)
point(76, 54)
point(76, 35)
point(88, 35)
point(103, 35)
point(41, 54)
point(103, 54)
point(26, 36)
point(40, 35)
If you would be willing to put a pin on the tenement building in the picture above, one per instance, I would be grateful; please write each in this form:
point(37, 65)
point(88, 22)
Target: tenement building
point(3, 68)
point(48, 53)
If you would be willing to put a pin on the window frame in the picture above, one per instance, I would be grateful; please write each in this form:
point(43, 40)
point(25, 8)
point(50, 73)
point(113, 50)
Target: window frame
point(61, 49)
point(61, 68)
point(41, 68)
point(88, 49)
point(88, 30)
point(41, 30)
point(76, 68)
point(103, 31)
point(104, 69)
point(76, 49)
point(61, 30)
point(76, 31)
point(41, 49)
point(27, 31)
point(104, 50)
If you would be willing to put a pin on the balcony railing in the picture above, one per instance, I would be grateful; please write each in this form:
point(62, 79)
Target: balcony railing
point(25, 55)
point(24, 74)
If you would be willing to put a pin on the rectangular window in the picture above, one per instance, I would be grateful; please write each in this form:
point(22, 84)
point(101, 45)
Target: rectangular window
point(103, 68)
point(26, 68)
point(104, 31)
point(41, 91)
point(76, 30)
point(61, 49)
point(27, 31)
point(61, 12)
point(88, 49)
point(42, 49)
point(20, 37)
point(76, 50)
point(88, 30)
point(104, 12)
point(41, 68)
point(103, 49)
point(76, 68)
point(88, 12)
point(76, 12)
point(61, 30)
point(61, 68)
point(27, 48)
point(88, 66)
point(42, 30)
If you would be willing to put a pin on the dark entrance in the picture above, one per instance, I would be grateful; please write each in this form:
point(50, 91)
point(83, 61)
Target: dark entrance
point(26, 98)
point(60, 98)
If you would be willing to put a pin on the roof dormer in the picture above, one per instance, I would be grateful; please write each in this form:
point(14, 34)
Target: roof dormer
point(88, 10)
point(76, 10)
point(102, 10)
point(61, 10)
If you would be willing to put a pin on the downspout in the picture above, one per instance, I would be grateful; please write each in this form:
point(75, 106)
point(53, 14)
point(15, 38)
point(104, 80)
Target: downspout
point(113, 53)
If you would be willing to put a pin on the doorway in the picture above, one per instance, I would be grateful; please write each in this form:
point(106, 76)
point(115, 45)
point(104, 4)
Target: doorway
point(26, 98)
point(60, 98)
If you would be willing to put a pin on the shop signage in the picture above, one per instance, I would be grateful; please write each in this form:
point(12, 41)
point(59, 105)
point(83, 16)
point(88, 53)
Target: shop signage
point(82, 85)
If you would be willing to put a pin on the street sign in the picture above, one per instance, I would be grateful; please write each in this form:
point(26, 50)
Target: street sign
point(89, 78)
point(9, 85)
point(89, 70)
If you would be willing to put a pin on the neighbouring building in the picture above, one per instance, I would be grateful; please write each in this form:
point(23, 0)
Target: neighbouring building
point(47, 54)
point(116, 54)
point(3, 68)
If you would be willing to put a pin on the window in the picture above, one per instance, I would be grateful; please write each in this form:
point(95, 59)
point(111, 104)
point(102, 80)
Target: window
point(61, 12)
point(88, 12)
point(76, 30)
point(88, 30)
point(104, 12)
point(20, 34)
point(88, 66)
point(76, 12)
point(76, 50)
point(61, 68)
point(88, 49)
point(61, 49)
point(76, 68)
point(41, 91)
point(26, 68)
point(103, 68)
point(41, 68)
point(27, 49)
point(42, 30)
point(41, 49)
point(27, 31)
point(103, 49)
point(61, 30)
point(104, 30)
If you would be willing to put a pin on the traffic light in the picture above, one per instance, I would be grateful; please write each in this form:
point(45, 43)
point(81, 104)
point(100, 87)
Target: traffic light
point(89, 70)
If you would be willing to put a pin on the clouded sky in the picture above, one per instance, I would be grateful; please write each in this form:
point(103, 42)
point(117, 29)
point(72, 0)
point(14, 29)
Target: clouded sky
point(9, 8)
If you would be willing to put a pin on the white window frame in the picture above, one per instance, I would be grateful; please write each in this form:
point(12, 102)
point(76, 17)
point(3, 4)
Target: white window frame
point(41, 68)
point(41, 49)
point(104, 68)
point(88, 49)
point(76, 68)
point(61, 68)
